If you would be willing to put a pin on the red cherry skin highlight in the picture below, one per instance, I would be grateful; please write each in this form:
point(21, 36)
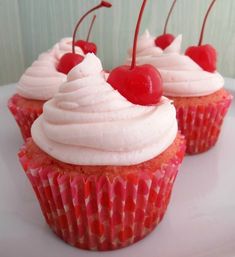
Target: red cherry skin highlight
point(164, 40)
point(138, 84)
point(68, 61)
point(87, 47)
point(141, 85)
point(205, 56)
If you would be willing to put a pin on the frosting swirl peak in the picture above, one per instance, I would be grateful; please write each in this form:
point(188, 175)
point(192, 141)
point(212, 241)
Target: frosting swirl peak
point(90, 123)
point(41, 80)
point(181, 76)
point(65, 46)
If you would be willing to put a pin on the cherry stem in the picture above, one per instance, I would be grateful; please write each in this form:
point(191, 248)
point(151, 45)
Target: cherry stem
point(102, 4)
point(90, 28)
point(168, 16)
point(133, 63)
point(204, 22)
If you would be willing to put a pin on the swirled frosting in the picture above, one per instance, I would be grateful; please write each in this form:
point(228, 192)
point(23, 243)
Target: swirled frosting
point(89, 123)
point(64, 46)
point(41, 80)
point(182, 77)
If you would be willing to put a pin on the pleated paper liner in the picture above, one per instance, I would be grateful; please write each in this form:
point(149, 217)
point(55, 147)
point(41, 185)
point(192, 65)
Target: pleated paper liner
point(25, 114)
point(102, 212)
point(201, 124)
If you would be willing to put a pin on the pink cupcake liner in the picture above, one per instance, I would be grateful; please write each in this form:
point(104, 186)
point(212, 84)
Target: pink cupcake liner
point(201, 125)
point(97, 212)
point(23, 116)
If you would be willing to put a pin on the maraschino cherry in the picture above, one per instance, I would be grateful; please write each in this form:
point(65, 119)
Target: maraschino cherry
point(204, 55)
point(138, 84)
point(69, 60)
point(85, 45)
point(164, 40)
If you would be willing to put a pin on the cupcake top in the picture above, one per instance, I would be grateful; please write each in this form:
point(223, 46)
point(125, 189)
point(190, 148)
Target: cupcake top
point(42, 80)
point(182, 77)
point(89, 123)
point(65, 46)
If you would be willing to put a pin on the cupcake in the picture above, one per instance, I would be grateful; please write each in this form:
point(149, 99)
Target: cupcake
point(102, 167)
point(198, 95)
point(38, 84)
point(191, 81)
point(102, 160)
point(42, 79)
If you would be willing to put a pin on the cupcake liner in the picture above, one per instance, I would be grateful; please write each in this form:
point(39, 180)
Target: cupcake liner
point(201, 124)
point(23, 116)
point(98, 212)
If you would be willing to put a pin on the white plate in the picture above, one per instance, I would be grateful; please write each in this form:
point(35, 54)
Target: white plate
point(200, 220)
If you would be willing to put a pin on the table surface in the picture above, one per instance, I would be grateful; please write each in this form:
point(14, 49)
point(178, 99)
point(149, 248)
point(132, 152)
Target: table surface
point(200, 220)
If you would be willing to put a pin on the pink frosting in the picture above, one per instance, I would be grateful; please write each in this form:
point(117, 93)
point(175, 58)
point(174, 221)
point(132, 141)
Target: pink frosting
point(41, 80)
point(65, 46)
point(182, 77)
point(89, 123)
